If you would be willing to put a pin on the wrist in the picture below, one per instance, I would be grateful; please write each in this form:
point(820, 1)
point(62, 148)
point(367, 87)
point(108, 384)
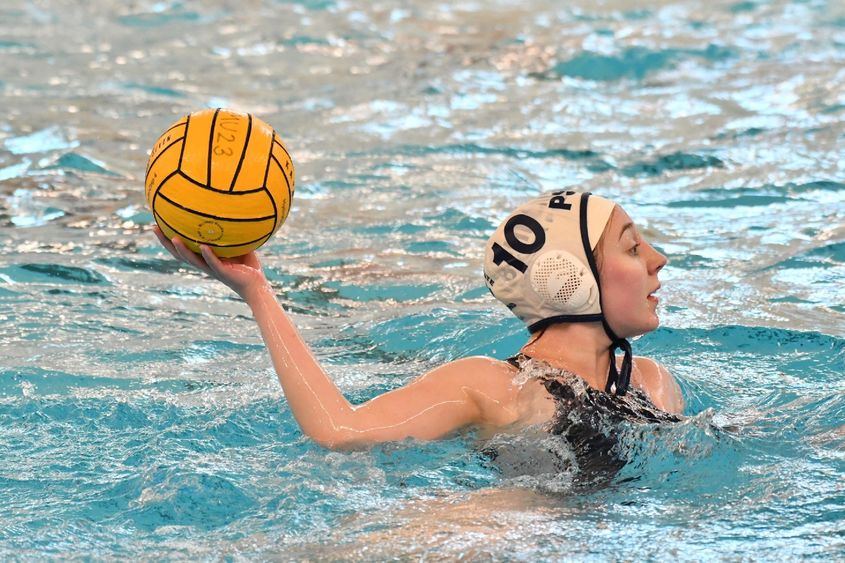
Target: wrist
point(257, 292)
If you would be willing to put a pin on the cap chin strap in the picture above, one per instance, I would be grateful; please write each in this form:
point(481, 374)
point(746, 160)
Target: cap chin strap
point(618, 379)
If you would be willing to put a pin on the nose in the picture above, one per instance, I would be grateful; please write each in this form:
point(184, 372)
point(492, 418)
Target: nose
point(656, 261)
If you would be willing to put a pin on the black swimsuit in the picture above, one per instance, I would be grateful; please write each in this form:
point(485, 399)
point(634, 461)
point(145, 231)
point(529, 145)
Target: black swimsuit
point(590, 420)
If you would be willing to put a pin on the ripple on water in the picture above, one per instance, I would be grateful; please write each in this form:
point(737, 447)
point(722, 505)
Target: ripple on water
point(167, 92)
point(826, 256)
point(671, 162)
point(381, 292)
point(41, 273)
point(160, 265)
point(15, 170)
point(766, 340)
point(474, 148)
point(446, 334)
point(46, 140)
point(37, 381)
point(160, 18)
point(765, 194)
point(172, 497)
point(79, 163)
point(731, 202)
point(634, 62)
point(691, 261)
point(25, 210)
point(748, 371)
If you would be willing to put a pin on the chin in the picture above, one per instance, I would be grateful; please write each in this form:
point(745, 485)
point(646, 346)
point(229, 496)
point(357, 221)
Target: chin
point(642, 329)
point(637, 325)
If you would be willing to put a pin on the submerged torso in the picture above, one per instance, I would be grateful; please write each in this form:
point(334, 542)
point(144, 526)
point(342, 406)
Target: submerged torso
point(564, 425)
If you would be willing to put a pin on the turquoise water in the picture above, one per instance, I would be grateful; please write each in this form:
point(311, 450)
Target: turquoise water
point(139, 414)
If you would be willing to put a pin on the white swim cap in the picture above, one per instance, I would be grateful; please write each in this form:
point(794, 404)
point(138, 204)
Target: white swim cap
point(539, 262)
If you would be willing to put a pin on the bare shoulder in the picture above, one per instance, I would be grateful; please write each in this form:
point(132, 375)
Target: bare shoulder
point(647, 367)
point(484, 364)
point(659, 384)
point(488, 381)
point(477, 371)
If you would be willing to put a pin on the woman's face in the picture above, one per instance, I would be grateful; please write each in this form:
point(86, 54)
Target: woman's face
point(628, 270)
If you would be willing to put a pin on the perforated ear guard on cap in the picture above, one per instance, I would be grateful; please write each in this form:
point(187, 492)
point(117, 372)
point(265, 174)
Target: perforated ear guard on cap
point(562, 281)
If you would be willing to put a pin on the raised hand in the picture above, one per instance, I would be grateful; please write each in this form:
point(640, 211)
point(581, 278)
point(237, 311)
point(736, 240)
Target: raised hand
point(243, 274)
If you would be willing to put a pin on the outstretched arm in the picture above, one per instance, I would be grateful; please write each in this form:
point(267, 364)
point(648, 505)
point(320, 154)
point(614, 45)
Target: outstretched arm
point(461, 393)
point(443, 400)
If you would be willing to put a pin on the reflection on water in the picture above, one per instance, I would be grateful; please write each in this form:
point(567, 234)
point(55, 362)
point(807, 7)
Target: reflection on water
point(135, 395)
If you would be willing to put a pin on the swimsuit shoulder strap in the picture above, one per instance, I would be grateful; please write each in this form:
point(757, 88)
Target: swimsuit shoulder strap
point(516, 361)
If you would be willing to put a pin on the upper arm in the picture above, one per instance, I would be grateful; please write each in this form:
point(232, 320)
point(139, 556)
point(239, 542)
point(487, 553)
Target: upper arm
point(458, 394)
point(661, 387)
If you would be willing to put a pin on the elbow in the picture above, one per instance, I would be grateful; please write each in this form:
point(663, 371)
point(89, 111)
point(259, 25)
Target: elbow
point(334, 441)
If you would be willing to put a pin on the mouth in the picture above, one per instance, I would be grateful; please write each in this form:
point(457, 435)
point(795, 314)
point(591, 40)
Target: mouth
point(652, 298)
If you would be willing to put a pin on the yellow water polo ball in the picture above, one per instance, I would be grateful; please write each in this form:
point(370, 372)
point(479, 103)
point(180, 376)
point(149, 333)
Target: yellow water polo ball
point(221, 178)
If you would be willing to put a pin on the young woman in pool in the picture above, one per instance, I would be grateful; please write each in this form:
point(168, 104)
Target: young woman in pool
point(571, 265)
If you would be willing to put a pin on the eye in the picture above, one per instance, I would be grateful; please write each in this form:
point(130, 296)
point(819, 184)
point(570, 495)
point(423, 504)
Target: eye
point(635, 250)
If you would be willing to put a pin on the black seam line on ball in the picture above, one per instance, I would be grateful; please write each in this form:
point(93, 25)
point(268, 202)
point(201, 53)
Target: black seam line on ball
point(275, 211)
point(276, 141)
point(215, 190)
point(159, 155)
point(269, 160)
point(174, 126)
point(210, 216)
point(186, 237)
point(182, 151)
point(285, 176)
point(243, 153)
point(160, 185)
point(211, 145)
point(281, 146)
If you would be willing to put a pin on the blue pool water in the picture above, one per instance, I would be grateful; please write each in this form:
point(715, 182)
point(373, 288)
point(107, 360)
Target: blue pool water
point(139, 413)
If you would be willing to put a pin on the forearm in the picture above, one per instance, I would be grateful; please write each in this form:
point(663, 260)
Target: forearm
point(319, 407)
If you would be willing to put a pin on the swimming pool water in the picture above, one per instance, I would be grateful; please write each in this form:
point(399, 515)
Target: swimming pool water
point(139, 414)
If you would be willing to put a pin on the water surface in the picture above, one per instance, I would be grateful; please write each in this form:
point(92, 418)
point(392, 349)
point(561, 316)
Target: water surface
point(140, 415)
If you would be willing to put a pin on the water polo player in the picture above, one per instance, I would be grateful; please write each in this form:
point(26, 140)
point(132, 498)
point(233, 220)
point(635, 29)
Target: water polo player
point(571, 265)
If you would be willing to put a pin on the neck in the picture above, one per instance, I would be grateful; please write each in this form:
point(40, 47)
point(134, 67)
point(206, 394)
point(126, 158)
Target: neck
point(581, 348)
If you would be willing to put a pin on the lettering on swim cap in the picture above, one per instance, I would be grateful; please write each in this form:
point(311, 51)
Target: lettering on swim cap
point(559, 201)
point(501, 254)
point(533, 225)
